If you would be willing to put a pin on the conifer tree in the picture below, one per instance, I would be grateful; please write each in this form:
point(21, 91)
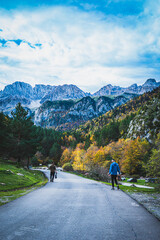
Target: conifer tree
point(4, 133)
point(23, 137)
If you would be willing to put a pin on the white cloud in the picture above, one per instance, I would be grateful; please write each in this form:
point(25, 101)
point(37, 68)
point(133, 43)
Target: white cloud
point(86, 49)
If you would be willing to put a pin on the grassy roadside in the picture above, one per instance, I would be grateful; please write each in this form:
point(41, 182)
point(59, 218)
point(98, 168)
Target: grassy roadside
point(127, 189)
point(141, 182)
point(16, 182)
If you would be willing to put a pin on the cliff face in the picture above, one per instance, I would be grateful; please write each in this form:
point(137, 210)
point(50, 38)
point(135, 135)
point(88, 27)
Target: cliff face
point(64, 115)
point(40, 91)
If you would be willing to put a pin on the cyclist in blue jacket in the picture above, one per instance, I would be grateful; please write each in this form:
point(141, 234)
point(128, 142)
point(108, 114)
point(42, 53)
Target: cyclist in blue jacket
point(114, 168)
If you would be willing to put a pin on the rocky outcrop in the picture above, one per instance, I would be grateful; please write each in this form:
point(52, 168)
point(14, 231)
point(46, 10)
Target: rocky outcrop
point(147, 122)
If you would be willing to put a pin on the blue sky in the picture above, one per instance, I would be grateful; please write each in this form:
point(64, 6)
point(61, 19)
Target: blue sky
point(87, 43)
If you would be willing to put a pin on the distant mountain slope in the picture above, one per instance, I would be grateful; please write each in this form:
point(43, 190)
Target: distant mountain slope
point(66, 114)
point(47, 92)
point(45, 102)
point(138, 117)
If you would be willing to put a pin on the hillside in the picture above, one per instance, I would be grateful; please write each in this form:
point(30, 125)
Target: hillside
point(137, 117)
point(129, 133)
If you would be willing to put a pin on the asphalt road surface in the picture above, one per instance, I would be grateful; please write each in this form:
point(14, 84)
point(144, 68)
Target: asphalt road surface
point(74, 208)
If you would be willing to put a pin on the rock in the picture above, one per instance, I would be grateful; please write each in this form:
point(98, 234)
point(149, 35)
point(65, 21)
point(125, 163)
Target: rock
point(133, 185)
point(132, 180)
point(20, 174)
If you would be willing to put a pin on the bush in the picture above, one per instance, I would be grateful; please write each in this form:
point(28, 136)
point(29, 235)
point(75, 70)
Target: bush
point(34, 161)
point(136, 176)
point(67, 167)
point(99, 173)
point(157, 187)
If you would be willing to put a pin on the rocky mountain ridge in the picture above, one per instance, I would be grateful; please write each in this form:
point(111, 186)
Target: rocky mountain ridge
point(69, 91)
point(149, 85)
point(67, 106)
point(42, 92)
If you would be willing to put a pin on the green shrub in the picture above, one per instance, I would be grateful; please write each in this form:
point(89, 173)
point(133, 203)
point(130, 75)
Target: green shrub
point(34, 161)
point(67, 167)
point(135, 176)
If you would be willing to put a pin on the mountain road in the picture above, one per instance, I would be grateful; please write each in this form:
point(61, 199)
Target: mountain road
point(75, 208)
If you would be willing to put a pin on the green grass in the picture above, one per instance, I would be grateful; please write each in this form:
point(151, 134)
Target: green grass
point(137, 189)
point(130, 189)
point(141, 182)
point(15, 182)
point(127, 189)
point(12, 177)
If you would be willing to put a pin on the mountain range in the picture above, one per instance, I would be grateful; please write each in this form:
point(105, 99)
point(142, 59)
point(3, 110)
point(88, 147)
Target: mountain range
point(67, 106)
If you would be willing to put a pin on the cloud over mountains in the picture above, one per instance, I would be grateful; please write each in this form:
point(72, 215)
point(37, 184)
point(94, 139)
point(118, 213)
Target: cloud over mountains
point(85, 43)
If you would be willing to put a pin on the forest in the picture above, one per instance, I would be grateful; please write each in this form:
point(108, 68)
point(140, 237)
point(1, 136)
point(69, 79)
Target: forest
point(130, 134)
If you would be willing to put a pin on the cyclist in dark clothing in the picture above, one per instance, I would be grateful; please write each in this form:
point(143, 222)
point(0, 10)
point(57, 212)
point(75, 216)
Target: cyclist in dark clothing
point(52, 172)
point(114, 168)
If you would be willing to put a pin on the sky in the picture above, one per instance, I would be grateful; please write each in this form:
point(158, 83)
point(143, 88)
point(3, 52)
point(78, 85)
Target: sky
point(89, 43)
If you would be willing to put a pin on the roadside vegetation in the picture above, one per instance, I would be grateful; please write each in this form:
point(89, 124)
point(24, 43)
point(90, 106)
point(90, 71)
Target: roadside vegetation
point(17, 181)
point(127, 189)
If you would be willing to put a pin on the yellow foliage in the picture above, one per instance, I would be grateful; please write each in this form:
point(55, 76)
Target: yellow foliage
point(78, 156)
point(100, 157)
point(66, 156)
point(134, 153)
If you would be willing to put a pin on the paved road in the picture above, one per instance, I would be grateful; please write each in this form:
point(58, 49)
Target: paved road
point(74, 208)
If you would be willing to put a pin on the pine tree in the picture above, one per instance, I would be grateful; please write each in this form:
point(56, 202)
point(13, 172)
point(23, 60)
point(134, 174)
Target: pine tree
point(23, 135)
point(4, 133)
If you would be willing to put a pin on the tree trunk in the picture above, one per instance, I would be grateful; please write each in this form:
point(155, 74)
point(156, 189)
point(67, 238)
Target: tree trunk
point(28, 162)
point(19, 159)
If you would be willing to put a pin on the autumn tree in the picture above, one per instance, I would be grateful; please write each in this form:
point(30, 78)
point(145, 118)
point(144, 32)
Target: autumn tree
point(78, 156)
point(153, 166)
point(90, 157)
point(115, 150)
point(134, 155)
point(100, 157)
point(66, 156)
